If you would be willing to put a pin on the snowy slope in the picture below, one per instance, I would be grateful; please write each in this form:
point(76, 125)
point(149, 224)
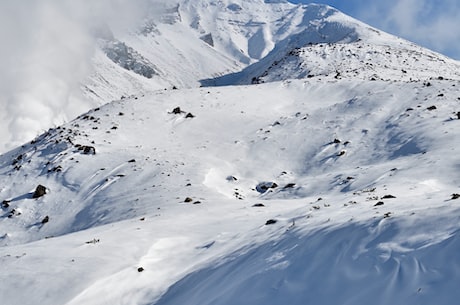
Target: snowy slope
point(129, 198)
point(328, 189)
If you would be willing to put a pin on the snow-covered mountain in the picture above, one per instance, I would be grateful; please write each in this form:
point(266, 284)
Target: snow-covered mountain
point(328, 176)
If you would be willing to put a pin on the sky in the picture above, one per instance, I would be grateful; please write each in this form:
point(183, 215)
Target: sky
point(433, 24)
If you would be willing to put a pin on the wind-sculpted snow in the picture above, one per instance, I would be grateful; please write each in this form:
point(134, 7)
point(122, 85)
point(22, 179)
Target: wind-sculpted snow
point(186, 180)
point(350, 264)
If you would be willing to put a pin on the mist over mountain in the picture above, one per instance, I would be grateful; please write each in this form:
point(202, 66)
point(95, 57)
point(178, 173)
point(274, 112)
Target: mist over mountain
point(226, 152)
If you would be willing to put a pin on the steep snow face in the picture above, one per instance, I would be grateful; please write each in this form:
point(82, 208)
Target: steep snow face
point(182, 42)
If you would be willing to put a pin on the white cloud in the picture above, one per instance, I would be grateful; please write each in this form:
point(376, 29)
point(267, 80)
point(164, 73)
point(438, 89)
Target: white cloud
point(46, 53)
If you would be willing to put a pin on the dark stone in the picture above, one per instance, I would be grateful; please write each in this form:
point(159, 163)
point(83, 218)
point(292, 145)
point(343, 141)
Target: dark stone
point(45, 220)
point(289, 185)
point(188, 199)
point(455, 196)
point(388, 197)
point(140, 269)
point(197, 202)
point(337, 141)
point(458, 115)
point(14, 212)
point(379, 203)
point(264, 186)
point(39, 191)
point(208, 39)
point(5, 204)
point(258, 205)
point(177, 110)
point(87, 150)
point(189, 116)
point(432, 108)
point(270, 222)
point(132, 161)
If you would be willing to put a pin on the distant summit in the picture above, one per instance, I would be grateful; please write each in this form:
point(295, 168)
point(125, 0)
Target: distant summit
point(186, 43)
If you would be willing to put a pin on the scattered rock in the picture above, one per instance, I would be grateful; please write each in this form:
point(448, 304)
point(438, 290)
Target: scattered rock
point(337, 141)
point(458, 115)
point(189, 116)
point(455, 196)
point(14, 212)
point(197, 202)
point(431, 108)
point(46, 219)
point(142, 219)
point(386, 215)
point(177, 110)
point(39, 191)
point(188, 199)
point(140, 269)
point(93, 241)
point(379, 203)
point(264, 186)
point(6, 203)
point(87, 150)
point(388, 197)
point(270, 222)
point(289, 186)
point(341, 153)
point(132, 161)
point(258, 205)
point(55, 169)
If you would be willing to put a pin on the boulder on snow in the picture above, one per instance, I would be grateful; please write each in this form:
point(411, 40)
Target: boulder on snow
point(40, 191)
point(86, 150)
point(46, 219)
point(262, 187)
point(176, 110)
point(6, 203)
